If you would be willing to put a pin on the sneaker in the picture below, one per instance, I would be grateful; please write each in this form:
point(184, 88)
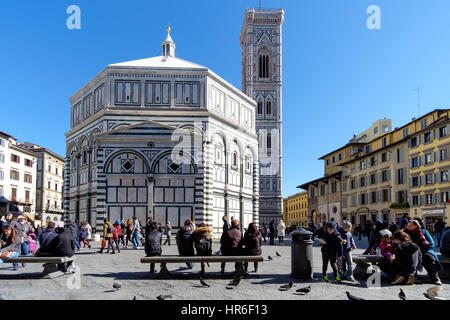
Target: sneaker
point(398, 279)
point(351, 279)
point(137, 248)
point(325, 278)
point(338, 280)
point(437, 282)
point(342, 273)
point(410, 280)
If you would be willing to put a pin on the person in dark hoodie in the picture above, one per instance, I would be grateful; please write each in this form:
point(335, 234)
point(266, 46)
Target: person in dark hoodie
point(202, 238)
point(375, 237)
point(231, 243)
point(252, 244)
point(405, 260)
point(47, 237)
point(153, 243)
point(331, 249)
point(10, 245)
point(185, 242)
point(66, 247)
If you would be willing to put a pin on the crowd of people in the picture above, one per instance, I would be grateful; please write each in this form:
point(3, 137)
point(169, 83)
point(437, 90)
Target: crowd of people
point(405, 249)
point(274, 230)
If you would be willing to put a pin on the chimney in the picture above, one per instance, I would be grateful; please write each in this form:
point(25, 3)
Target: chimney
point(413, 119)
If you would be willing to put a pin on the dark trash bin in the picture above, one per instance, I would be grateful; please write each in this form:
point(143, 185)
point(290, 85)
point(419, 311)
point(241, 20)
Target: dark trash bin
point(302, 255)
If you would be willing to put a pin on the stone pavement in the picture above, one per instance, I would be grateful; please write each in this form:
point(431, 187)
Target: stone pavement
point(99, 272)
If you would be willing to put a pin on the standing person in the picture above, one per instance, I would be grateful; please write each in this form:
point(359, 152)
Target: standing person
point(136, 233)
point(423, 239)
point(123, 232)
point(108, 230)
point(116, 234)
point(153, 243)
point(129, 233)
point(348, 244)
point(272, 232)
point(73, 227)
point(23, 228)
point(252, 244)
point(439, 226)
point(226, 223)
point(167, 232)
point(375, 237)
point(231, 243)
point(89, 228)
point(331, 248)
point(281, 230)
point(185, 242)
point(84, 234)
point(10, 245)
point(202, 238)
point(403, 221)
point(264, 232)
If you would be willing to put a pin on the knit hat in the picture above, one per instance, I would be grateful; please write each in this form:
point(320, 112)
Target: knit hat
point(332, 225)
point(346, 224)
point(385, 232)
point(118, 222)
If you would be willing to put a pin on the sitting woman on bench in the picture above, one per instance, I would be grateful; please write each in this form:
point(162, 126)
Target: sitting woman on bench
point(185, 242)
point(231, 243)
point(203, 242)
point(10, 245)
point(252, 244)
point(153, 243)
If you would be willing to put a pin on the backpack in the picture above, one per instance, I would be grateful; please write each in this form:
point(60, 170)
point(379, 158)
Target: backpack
point(204, 246)
point(109, 229)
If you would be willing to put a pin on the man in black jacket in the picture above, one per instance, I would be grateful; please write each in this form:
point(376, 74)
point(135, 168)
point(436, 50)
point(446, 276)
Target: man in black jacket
point(185, 241)
point(75, 230)
point(153, 243)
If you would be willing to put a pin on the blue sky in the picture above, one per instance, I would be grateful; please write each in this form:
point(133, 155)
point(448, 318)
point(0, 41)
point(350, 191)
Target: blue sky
point(338, 75)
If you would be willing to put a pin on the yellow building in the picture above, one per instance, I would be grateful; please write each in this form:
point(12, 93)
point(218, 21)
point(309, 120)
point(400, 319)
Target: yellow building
point(295, 209)
point(429, 165)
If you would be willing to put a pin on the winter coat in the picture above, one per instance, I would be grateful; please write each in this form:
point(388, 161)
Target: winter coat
point(107, 234)
point(272, 229)
point(22, 229)
point(84, 232)
point(252, 244)
point(231, 242)
point(226, 225)
point(185, 241)
point(347, 247)
point(47, 237)
point(203, 241)
point(281, 228)
point(89, 237)
point(333, 244)
point(153, 243)
point(407, 257)
point(73, 228)
point(136, 226)
point(116, 231)
point(415, 237)
point(8, 246)
point(66, 244)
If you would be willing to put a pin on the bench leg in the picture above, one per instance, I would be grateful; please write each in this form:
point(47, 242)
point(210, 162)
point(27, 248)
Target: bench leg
point(51, 271)
point(360, 271)
point(163, 272)
point(202, 272)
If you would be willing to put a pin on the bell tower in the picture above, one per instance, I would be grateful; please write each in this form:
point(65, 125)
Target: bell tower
point(261, 43)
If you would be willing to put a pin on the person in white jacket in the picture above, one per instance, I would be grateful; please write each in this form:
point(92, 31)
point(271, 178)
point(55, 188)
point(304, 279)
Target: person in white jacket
point(281, 229)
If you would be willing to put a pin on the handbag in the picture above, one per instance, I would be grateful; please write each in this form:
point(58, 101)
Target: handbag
point(104, 243)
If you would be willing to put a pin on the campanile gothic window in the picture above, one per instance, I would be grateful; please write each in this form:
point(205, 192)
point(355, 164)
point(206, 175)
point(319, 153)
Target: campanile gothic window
point(264, 66)
point(269, 107)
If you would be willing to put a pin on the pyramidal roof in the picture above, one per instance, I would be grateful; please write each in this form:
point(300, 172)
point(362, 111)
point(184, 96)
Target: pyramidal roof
point(163, 62)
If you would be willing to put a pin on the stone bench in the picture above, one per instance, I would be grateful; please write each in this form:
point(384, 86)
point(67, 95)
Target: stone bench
point(363, 262)
point(50, 264)
point(164, 260)
point(445, 262)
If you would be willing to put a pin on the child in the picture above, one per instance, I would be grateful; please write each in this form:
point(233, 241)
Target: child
point(331, 247)
point(32, 245)
point(386, 245)
point(348, 244)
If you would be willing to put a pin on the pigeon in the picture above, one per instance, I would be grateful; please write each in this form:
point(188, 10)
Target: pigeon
point(163, 297)
point(270, 258)
point(288, 286)
point(353, 298)
point(203, 283)
point(117, 286)
point(279, 255)
point(134, 298)
point(304, 290)
point(402, 295)
point(433, 293)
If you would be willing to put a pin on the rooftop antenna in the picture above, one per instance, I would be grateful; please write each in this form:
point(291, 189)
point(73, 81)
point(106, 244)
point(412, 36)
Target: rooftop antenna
point(418, 98)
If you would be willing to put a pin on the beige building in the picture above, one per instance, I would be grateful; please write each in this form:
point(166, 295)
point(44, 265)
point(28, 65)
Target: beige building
point(49, 184)
point(295, 209)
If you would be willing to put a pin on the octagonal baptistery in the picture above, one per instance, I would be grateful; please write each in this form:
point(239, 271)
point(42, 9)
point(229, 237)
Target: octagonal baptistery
point(162, 138)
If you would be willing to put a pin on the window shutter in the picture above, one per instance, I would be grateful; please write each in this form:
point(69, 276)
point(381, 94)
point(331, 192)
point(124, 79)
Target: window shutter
point(433, 178)
point(422, 160)
point(421, 139)
point(432, 135)
point(396, 177)
point(401, 154)
point(375, 178)
point(432, 157)
point(389, 175)
point(438, 197)
point(422, 200)
point(396, 160)
point(405, 196)
point(438, 177)
point(387, 155)
point(381, 176)
point(370, 198)
point(409, 143)
point(389, 194)
point(410, 182)
point(396, 197)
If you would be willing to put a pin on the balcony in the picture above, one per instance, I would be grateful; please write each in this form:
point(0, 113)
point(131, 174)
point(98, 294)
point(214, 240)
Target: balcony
point(53, 209)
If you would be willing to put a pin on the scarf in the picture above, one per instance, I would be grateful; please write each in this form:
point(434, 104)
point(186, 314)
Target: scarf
point(419, 233)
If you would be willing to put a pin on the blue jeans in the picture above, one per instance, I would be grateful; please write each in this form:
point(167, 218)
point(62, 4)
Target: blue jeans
point(76, 243)
point(15, 255)
point(23, 251)
point(349, 262)
point(438, 239)
point(136, 239)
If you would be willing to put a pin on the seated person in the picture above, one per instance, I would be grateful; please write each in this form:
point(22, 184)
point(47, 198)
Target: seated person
point(405, 260)
point(10, 245)
point(386, 244)
point(252, 243)
point(185, 241)
point(153, 243)
point(231, 243)
point(203, 241)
